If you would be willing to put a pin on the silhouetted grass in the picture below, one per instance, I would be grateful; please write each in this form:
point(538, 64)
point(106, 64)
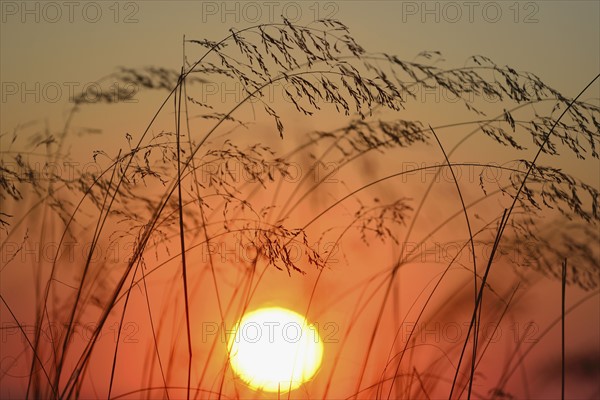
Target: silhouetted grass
point(151, 193)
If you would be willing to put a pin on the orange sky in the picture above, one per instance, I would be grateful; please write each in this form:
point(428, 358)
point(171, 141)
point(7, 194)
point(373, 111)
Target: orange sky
point(49, 48)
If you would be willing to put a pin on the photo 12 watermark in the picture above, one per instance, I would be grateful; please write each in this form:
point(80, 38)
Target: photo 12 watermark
point(236, 172)
point(268, 11)
point(518, 252)
point(52, 334)
point(270, 332)
point(469, 172)
point(72, 92)
point(52, 12)
point(452, 12)
point(295, 251)
point(452, 332)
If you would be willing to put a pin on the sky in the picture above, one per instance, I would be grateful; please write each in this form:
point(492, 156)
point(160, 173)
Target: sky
point(51, 50)
point(54, 42)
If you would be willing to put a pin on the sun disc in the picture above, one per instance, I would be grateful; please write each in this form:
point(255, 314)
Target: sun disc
point(275, 349)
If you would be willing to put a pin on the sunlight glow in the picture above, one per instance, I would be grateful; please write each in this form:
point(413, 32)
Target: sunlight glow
point(275, 349)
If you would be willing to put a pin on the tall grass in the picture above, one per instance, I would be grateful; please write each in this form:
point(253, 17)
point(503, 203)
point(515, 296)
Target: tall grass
point(153, 191)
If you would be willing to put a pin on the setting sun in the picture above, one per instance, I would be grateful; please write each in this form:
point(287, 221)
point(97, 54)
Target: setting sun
point(275, 349)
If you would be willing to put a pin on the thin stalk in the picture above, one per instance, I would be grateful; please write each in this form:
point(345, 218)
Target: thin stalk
point(182, 237)
point(562, 313)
